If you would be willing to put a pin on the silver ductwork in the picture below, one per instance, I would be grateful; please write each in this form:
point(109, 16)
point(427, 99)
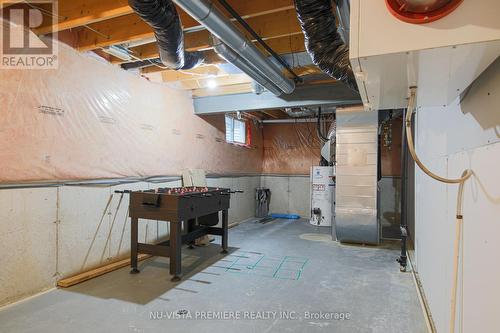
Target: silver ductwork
point(299, 112)
point(257, 89)
point(214, 20)
point(306, 111)
point(356, 177)
point(230, 56)
point(343, 9)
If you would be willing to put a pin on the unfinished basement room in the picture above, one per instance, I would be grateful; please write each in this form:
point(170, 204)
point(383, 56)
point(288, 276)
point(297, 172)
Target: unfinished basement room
point(250, 166)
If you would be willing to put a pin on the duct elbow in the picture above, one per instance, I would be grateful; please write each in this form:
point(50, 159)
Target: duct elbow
point(162, 16)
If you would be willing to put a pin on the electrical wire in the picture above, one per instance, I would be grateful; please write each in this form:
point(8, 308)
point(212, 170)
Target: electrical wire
point(321, 136)
point(311, 137)
point(62, 18)
point(459, 216)
point(255, 35)
point(96, 31)
point(44, 11)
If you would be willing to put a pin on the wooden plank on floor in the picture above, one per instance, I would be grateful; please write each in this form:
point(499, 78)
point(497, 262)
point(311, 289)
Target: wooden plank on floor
point(71, 281)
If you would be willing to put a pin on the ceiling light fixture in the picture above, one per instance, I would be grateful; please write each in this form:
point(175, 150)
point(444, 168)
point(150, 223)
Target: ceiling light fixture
point(118, 51)
point(211, 84)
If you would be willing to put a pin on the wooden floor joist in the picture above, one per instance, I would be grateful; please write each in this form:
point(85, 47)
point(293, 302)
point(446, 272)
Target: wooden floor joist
point(81, 277)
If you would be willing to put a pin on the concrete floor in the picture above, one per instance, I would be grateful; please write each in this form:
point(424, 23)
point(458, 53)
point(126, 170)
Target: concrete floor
point(286, 275)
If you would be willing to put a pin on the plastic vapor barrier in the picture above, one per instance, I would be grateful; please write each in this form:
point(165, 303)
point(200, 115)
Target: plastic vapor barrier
point(290, 148)
point(91, 120)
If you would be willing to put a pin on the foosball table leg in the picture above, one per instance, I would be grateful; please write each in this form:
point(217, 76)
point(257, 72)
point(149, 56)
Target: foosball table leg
point(190, 227)
point(175, 250)
point(134, 226)
point(224, 230)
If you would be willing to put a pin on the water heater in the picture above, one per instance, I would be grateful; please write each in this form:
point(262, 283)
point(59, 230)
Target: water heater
point(322, 196)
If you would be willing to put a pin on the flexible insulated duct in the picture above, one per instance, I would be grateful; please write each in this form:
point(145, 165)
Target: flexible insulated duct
point(217, 23)
point(323, 42)
point(142, 63)
point(162, 16)
point(230, 56)
point(344, 14)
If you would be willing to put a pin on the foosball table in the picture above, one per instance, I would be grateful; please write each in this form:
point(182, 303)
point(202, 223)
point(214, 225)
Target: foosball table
point(197, 208)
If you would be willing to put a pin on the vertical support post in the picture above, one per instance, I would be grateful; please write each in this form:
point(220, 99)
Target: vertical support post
point(224, 230)
point(134, 232)
point(404, 230)
point(175, 250)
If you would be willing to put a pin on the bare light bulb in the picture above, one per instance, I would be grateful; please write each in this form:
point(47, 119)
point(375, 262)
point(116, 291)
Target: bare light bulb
point(211, 84)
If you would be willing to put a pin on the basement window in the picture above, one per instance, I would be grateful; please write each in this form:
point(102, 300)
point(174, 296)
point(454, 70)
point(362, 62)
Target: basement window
point(236, 131)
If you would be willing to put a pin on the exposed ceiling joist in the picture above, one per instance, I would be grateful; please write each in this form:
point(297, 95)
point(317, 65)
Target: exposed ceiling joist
point(252, 116)
point(275, 114)
point(269, 26)
point(281, 45)
point(209, 70)
point(201, 77)
point(76, 13)
point(130, 27)
point(6, 3)
point(240, 88)
point(286, 44)
point(203, 82)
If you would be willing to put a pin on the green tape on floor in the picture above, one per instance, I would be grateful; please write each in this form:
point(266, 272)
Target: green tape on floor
point(282, 268)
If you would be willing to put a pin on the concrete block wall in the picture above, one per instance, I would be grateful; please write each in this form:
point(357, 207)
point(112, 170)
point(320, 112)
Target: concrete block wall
point(242, 204)
point(289, 194)
point(28, 238)
point(38, 251)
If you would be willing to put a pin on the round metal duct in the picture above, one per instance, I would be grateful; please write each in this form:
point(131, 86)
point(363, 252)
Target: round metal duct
point(421, 11)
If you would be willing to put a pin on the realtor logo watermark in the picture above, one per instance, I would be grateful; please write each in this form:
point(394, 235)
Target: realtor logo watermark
point(21, 48)
point(184, 314)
